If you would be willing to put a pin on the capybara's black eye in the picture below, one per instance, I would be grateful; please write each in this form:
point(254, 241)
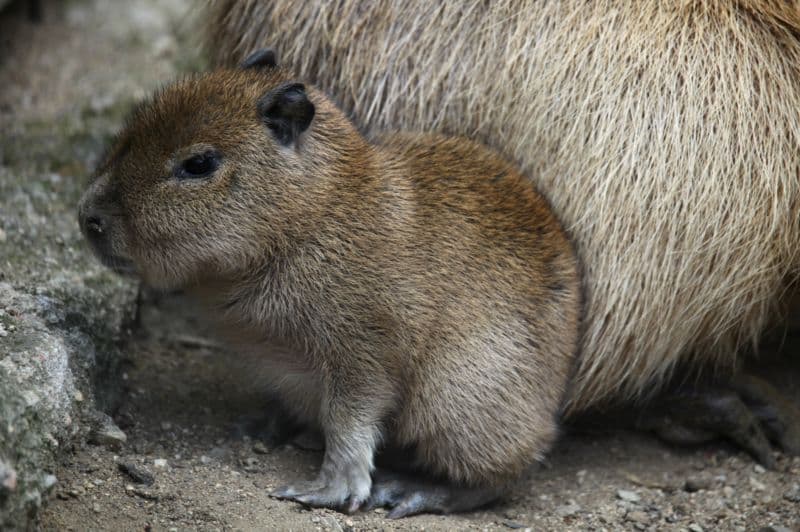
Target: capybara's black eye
point(198, 166)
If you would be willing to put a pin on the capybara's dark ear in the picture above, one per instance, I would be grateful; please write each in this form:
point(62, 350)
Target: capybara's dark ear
point(264, 58)
point(287, 111)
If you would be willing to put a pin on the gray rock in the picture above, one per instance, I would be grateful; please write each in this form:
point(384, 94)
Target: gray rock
point(628, 496)
point(138, 474)
point(757, 484)
point(638, 517)
point(219, 452)
point(260, 448)
point(63, 315)
point(150, 495)
point(250, 464)
point(793, 495)
point(105, 432)
point(8, 480)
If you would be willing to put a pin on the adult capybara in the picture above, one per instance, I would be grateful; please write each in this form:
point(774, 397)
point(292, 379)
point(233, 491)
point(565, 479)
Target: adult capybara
point(665, 134)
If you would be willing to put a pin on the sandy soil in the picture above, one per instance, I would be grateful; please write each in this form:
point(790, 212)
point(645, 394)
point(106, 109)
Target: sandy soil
point(194, 466)
point(186, 420)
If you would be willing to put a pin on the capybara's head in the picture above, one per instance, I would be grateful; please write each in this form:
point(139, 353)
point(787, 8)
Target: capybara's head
point(206, 175)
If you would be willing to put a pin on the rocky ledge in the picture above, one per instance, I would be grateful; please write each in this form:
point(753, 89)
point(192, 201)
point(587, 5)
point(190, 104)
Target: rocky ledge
point(62, 316)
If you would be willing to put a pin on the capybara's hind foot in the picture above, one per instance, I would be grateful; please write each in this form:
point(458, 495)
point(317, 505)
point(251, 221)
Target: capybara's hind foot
point(748, 411)
point(407, 495)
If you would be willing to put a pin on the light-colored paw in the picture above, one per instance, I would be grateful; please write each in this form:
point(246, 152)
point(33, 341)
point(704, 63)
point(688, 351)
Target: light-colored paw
point(339, 493)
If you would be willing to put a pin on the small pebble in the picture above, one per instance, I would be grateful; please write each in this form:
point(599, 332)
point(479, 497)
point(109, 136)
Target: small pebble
point(793, 495)
point(251, 464)
point(260, 448)
point(138, 474)
point(49, 481)
point(694, 527)
point(160, 463)
point(568, 510)
point(8, 478)
point(105, 432)
point(333, 524)
point(758, 468)
point(638, 517)
point(628, 495)
point(756, 485)
point(146, 494)
point(219, 452)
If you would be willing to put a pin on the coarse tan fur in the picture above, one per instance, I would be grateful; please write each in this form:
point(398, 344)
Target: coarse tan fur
point(416, 292)
point(665, 133)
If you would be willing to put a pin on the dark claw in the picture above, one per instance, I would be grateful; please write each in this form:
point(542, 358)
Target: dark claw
point(413, 504)
point(779, 417)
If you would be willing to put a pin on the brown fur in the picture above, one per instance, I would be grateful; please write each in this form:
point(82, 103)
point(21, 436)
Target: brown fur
point(665, 133)
point(416, 291)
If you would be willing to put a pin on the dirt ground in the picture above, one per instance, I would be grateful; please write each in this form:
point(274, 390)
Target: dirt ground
point(185, 420)
point(190, 462)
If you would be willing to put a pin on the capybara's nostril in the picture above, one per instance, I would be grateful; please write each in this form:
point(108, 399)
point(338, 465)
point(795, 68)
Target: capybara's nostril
point(95, 225)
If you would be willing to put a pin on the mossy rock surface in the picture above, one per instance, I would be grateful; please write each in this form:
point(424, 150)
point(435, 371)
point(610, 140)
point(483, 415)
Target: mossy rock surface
point(62, 315)
point(69, 78)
